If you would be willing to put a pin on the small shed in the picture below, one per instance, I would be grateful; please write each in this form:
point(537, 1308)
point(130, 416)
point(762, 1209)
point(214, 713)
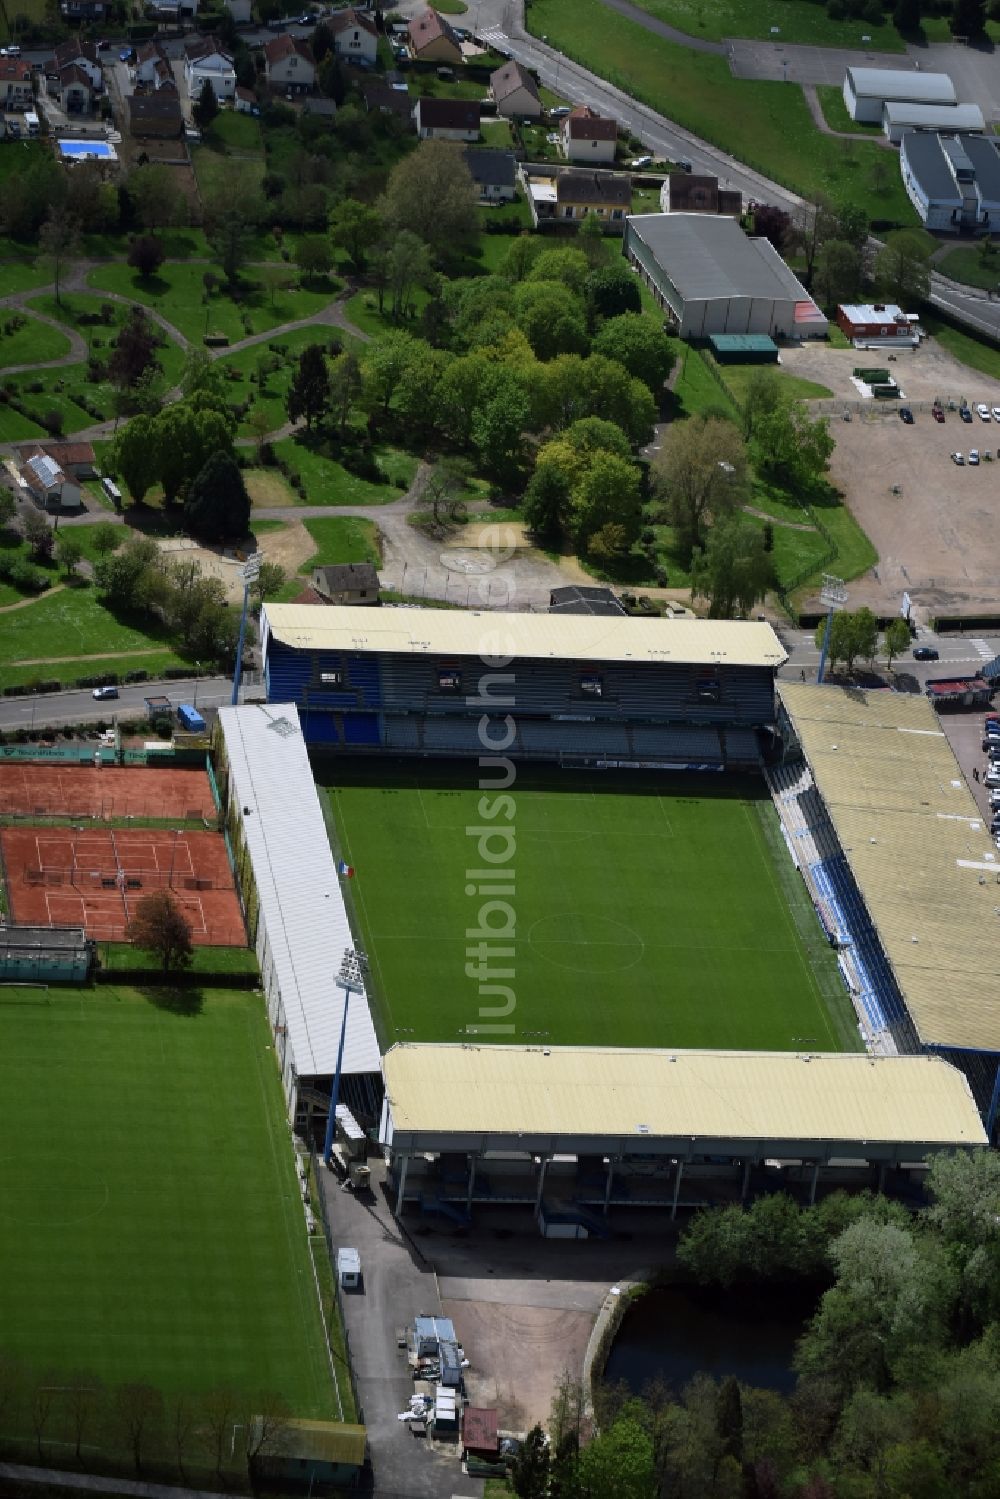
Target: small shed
point(743, 348)
point(445, 1410)
point(429, 1332)
point(480, 1432)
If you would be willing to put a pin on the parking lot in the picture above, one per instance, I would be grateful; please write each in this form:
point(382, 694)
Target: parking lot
point(934, 524)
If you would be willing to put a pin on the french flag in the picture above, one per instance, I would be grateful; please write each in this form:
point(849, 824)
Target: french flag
point(347, 870)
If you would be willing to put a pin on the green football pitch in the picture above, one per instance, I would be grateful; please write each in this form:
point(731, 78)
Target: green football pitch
point(648, 912)
point(152, 1225)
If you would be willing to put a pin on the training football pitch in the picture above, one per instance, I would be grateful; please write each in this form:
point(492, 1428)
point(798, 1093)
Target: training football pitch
point(152, 1225)
point(649, 912)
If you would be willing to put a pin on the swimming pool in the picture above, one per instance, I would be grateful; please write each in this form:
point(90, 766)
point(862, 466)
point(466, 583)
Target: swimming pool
point(87, 150)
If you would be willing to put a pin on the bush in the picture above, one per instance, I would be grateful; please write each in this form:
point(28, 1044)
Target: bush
point(52, 421)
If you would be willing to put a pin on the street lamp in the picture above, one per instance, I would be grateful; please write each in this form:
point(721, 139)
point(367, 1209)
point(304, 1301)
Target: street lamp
point(251, 572)
point(351, 980)
point(834, 595)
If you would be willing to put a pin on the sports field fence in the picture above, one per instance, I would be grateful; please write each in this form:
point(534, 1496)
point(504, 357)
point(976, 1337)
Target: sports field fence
point(129, 879)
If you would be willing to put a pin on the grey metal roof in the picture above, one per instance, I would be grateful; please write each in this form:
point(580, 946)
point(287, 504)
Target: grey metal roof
point(301, 902)
point(491, 168)
point(903, 83)
point(36, 939)
point(982, 152)
point(929, 165)
point(708, 256)
point(934, 116)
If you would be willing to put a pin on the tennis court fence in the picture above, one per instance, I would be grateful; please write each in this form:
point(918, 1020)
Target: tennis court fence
point(129, 879)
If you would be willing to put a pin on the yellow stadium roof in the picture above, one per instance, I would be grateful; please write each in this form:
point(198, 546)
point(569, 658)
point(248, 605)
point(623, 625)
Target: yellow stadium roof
point(560, 637)
point(920, 851)
point(589, 1091)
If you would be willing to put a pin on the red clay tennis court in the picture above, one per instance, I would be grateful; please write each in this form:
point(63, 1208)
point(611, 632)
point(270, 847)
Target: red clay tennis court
point(93, 878)
point(111, 792)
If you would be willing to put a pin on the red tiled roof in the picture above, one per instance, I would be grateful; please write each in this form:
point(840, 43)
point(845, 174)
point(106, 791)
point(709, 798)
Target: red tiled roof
point(347, 18)
point(429, 27)
point(13, 71)
point(310, 596)
point(284, 46)
point(583, 124)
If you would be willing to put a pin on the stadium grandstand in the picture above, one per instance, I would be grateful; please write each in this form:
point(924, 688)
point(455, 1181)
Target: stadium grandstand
point(570, 1130)
point(295, 911)
point(570, 689)
point(902, 870)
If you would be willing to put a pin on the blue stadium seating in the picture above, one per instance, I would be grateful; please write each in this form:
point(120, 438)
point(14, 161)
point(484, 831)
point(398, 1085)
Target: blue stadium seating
point(879, 992)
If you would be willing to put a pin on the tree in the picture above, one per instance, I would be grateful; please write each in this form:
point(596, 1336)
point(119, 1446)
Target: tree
point(431, 193)
point(639, 345)
point(185, 436)
point(906, 17)
point(260, 425)
point(837, 274)
point(771, 223)
point(265, 1427)
point(309, 392)
point(734, 570)
point(69, 549)
point(551, 317)
point(105, 538)
point(763, 396)
point(219, 1409)
point(792, 447)
point(270, 580)
point(610, 291)
point(729, 1418)
point(39, 536)
point(275, 278)
point(346, 386)
point(160, 927)
point(591, 240)
point(499, 421)
point(618, 1462)
point(59, 241)
point(314, 256)
point(700, 475)
point(968, 18)
point(43, 1393)
point(126, 577)
point(134, 350)
point(607, 493)
point(383, 366)
point(232, 214)
point(443, 488)
point(183, 1420)
point(902, 271)
point(157, 198)
point(146, 254)
point(408, 265)
point(138, 1407)
point(568, 266)
point(206, 106)
point(895, 640)
point(851, 636)
point(134, 457)
point(83, 1395)
point(546, 502)
point(814, 223)
point(529, 1475)
point(355, 227)
point(217, 507)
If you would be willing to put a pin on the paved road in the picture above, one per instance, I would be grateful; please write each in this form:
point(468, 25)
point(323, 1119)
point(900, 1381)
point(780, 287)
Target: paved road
point(52, 709)
point(961, 654)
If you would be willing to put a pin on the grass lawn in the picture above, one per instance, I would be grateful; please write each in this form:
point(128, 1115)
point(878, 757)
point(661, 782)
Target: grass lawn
point(70, 623)
point(963, 265)
point(969, 350)
point(362, 308)
point(738, 377)
point(799, 21)
point(649, 912)
point(161, 1238)
point(766, 125)
point(342, 538)
point(272, 396)
point(32, 344)
point(16, 428)
point(831, 99)
point(327, 482)
point(694, 390)
point(496, 133)
point(122, 955)
point(267, 487)
point(178, 294)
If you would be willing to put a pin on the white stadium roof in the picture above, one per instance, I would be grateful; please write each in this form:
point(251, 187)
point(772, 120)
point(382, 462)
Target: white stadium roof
point(559, 637)
point(301, 902)
point(934, 116)
point(531, 1093)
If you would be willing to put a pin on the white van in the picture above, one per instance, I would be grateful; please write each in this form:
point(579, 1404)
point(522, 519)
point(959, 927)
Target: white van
point(992, 777)
point(348, 1269)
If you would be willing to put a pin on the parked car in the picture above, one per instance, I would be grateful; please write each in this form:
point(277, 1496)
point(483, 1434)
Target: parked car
point(965, 413)
point(926, 653)
point(937, 413)
point(983, 412)
point(996, 413)
point(973, 456)
point(641, 161)
point(104, 694)
point(127, 54)
point(906, 415)
point(958, 458)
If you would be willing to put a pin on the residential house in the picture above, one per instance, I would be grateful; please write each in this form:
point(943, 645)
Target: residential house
point(389, 99)
point(447, 120)
point(494, 173)
point(74, 90)
point(354, 36)
point(205, 61)
point(75, 458)
point(315, 104)
point(245, 100)
point(586, 136)
point(50, 486)
point(85, 55)
point(152, 66)
point(571, 195)
point(15, 84)
point(515, 92)
point(155, 116)
point(688, 192)
point(347, 583)
point(289, 65)
point(433, 39)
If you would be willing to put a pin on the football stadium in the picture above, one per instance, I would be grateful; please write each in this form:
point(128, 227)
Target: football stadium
point(610, 858)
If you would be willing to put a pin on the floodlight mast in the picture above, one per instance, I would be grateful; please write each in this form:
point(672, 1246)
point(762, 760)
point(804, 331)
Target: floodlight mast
point(251, 572)
point(834, 595)
point(351, 980)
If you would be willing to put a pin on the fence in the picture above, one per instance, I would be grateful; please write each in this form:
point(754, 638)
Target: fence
point(320, 1198)
point(129, 879)
point(74, 753)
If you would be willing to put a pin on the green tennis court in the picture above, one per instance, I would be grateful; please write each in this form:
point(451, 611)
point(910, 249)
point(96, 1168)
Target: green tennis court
point(647, 912)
